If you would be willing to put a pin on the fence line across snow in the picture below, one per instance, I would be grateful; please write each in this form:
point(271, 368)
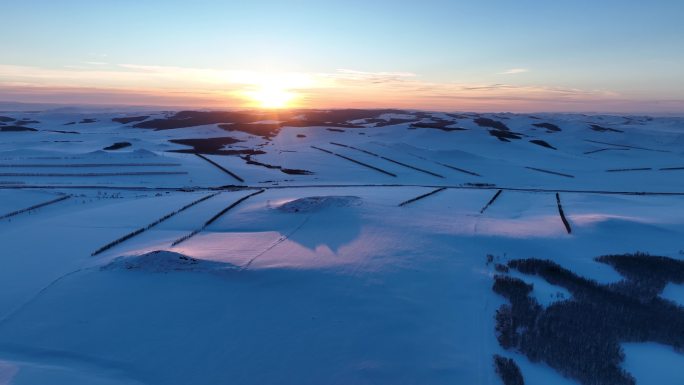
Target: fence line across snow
point(34, 207)
point(214, 218)
point(151, 225)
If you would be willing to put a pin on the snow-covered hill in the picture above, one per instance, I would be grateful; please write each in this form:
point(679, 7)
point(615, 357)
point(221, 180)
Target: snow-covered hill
point(290, 248)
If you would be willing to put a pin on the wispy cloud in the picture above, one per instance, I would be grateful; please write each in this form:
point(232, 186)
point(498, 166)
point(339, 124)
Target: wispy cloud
point(370, 77)
point(206, 87)
point(514, 71)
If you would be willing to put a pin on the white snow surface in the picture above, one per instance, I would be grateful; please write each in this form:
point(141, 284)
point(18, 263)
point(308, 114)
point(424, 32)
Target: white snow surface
point(323, 278)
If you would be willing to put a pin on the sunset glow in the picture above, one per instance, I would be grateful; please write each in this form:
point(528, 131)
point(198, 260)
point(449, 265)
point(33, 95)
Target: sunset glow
point(272, 97)
point(317, 58)
point(299, 192)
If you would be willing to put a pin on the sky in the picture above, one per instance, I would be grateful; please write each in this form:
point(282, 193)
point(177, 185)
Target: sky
point(484, 55)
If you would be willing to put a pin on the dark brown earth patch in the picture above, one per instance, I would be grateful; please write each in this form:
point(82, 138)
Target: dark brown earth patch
point(24, 122)
point(290, 171)
point(130, 119)
point(437, 124)
point(504, 135)
point(117, 146)
point(542, 143)
point(185, 119)
point(596, 127)
point(16, 128)
point(549, 126)
point(491, 123)
point(266, 131)
point(212, 146)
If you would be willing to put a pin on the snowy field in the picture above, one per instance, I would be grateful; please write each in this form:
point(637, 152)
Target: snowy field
point(209, 249)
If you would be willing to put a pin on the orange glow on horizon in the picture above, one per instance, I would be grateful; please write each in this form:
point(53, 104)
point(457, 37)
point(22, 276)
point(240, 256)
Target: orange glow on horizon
point(272, 97)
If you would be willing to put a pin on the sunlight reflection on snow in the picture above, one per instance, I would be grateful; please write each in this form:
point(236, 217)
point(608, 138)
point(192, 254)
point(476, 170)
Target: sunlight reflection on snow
point(590, 219)
point(270, 249)
point(530, 227)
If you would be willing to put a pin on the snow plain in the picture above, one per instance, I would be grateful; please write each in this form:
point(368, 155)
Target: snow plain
point(323, 278)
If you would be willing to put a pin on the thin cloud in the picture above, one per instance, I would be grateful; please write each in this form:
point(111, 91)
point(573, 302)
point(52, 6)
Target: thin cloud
point(514, 71)
point(146, 84)
point(370, 77)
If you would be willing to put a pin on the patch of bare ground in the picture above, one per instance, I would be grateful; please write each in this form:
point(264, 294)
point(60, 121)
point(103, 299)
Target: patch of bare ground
point(293, 118)
point(498, 129)
point(266, 131)
point(130, 119)
point(290, 171)
point(185, 119)
point(550, 127)
point(441, 124)
point(117, 146)
point(212, 146)
point(596, 127)
point(16, 128)
point(542, 143)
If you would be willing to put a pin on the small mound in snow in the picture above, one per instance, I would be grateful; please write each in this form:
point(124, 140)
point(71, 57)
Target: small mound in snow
point(311, 204)
point(162, 261)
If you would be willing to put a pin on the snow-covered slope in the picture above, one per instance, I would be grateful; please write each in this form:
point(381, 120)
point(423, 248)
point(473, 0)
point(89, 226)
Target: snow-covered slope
point(291, 250)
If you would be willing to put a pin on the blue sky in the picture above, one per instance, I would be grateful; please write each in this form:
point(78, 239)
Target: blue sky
point(627, 50)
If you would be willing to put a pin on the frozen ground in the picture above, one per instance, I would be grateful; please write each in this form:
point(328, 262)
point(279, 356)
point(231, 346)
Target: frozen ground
point(322, 278)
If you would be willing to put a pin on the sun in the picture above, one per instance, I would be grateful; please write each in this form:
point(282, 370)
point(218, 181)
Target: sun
point(272, 97)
